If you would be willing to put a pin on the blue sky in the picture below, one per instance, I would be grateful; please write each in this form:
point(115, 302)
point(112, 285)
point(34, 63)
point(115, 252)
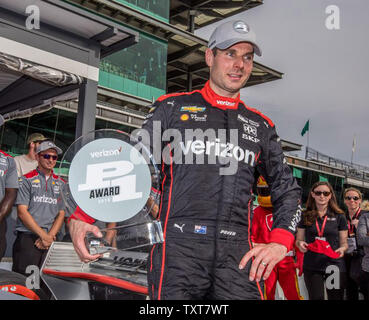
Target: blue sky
point(325, 73)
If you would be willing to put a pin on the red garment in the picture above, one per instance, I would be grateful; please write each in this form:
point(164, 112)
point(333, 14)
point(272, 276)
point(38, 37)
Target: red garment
point(322, 246)
point(285, 271)
point(79, 214)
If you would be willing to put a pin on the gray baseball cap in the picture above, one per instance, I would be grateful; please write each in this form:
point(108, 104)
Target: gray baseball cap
point(232, 32)
point(45, 145)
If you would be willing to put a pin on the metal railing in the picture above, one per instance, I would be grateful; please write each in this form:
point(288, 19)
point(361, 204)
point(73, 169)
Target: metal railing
point(352, 170)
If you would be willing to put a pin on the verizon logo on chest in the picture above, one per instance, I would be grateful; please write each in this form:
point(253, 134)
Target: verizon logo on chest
point(44, 199)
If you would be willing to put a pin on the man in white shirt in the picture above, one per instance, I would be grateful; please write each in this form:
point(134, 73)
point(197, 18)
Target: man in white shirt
point(27, 162)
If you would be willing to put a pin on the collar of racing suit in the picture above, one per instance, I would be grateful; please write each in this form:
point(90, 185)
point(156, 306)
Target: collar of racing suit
point(218, 101)
point(42, 174)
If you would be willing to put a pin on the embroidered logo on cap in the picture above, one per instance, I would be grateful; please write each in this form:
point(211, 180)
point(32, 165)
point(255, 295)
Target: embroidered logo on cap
point(241, 27)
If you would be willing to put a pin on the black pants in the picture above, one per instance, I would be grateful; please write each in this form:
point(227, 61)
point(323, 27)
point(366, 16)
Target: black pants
point(315, 284)
point(2, 238)
point(25, 253)
point(354, 285)
point(365, 284)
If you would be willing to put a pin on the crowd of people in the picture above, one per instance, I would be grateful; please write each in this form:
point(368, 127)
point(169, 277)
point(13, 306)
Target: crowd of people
point(327, 237)
point(222, 249)
point(29, 184)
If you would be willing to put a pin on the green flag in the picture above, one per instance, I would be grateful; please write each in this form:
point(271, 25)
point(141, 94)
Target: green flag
point(306, 128)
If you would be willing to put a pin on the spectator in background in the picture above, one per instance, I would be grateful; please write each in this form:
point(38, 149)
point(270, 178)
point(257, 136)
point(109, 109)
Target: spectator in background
point(40, 210)
point(8, 191)
point(322, 236)
point(27, 162)
point(285, 271)
point(354, 254)
point(365, 205)
point(363, 240)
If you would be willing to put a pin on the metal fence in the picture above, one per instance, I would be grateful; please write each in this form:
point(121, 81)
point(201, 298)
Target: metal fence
point(353, 170)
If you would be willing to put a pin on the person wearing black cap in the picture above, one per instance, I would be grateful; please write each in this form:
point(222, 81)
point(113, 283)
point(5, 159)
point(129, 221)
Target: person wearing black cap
point(8, 191)
point(205, 209)
point(322, 237)
point(40, 210)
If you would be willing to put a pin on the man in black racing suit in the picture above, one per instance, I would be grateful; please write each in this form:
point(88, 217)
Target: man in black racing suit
point(212, 147)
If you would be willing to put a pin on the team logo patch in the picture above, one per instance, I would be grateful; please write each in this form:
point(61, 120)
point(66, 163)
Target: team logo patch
point(242, 118)
point(148, 116)
point(241, 27)
point(200, 229)
point(185, 117)
point(198, 118)
point(193, 109)
point(249, 129)
point(269, 221)
point(36, 183)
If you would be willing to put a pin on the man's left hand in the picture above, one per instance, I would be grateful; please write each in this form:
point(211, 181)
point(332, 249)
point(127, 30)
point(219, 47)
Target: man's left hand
point(266, 257)
point(40, 245)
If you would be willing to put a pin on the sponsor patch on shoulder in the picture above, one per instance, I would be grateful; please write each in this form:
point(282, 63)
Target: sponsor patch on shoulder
point(200, 229)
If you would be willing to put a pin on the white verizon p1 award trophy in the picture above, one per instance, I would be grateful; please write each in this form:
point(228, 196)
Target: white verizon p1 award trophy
point(113, 179)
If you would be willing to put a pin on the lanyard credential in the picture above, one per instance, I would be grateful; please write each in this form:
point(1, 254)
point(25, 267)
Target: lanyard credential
point(321, 231)
point(351, 226)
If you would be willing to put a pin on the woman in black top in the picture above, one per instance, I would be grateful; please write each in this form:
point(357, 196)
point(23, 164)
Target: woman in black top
point(323, 224)
point(354, 254)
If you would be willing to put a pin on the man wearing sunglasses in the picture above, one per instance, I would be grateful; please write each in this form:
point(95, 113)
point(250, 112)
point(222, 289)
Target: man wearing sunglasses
point(40, 209)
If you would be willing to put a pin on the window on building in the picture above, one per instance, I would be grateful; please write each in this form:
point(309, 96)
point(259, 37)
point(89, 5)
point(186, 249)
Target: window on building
point(157, 7)
point(137, 69)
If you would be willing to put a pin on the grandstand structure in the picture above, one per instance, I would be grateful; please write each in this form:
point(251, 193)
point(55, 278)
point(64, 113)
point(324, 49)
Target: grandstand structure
point(162, 55)
point(320, 167)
